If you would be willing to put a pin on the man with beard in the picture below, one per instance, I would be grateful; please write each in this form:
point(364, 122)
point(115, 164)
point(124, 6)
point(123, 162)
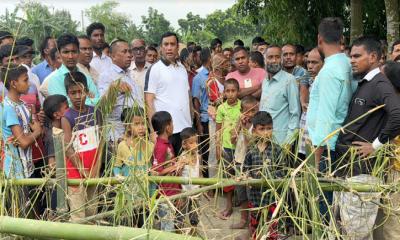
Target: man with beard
point(365, 137)
point(249, 79)
point(85, 57)
point(395, 54)
point(332, 88)
point(100, 61)
point(139, 66)
point(280, 97)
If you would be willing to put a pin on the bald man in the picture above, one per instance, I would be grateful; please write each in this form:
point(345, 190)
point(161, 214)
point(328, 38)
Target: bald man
point(139, 66)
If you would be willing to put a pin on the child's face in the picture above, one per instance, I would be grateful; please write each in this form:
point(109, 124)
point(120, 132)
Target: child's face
point(170, 128)
point(77, 94)
point(60, 113)
point(21, 84)
point(190, 144)
point(138, 127)
point(253, 64)
point(249, 110)
point(231, 93)
point(263, 131)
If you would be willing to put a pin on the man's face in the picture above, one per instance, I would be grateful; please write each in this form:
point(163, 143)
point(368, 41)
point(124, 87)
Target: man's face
point(261, 48)
point(51, 43)
point(273, 59)
point(11, 59)
point(361, 60)
point(7, 41)
point(289, 56)
point(196, 58)
point(241, 61)
point(396, 53)
point(97, 38)
point(69, 55)
point(27, 59)
point(139, 51)
point(169, 48)
point(56, 64)
point(314, 63)
point(151, 56)
point(121, 55)
point(85, 51)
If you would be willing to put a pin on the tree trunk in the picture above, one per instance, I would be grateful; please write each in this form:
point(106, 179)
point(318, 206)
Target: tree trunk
point(356, 28)
point(392, 19)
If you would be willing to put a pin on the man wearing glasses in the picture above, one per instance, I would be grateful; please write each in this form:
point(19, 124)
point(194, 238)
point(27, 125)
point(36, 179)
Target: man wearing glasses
point(139, 66)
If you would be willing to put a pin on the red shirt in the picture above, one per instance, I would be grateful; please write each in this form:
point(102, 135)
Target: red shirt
point(163, 154)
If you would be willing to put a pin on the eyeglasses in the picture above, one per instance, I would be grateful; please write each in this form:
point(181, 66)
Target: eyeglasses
point(138, 49)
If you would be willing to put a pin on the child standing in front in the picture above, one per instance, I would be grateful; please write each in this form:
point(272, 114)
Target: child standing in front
point(190, 160)
point(262, 161)
point(81, 132)
point(228, 115)
point(164, 164)
point(19, 130)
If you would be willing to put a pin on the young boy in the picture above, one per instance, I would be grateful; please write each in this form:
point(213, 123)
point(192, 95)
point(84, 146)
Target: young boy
point(228, 115)
point(81, 128)
point(19, 129)
point(262, 161)
point(241, 135)
point(164, 164)
point(19, 133)
point(190, 159)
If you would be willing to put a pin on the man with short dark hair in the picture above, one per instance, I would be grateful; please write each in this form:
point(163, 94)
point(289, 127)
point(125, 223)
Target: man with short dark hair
point(139, 66)
point(395, 53)
point(68, 46)
point(262, 46)
point(250, 79)
point(118, 78)
point(167, 88)
point(216, 46)
point(85, 57)
point(96, 32)
point(365, 136)
point(6, 38)
point(255, 42)
point(238, 43)
point(280, 97)
point(332, 89)
point(151, 55)
point(43, 69)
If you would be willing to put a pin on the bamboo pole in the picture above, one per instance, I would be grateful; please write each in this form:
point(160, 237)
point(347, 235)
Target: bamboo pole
point(70, 231)
point(61, 176)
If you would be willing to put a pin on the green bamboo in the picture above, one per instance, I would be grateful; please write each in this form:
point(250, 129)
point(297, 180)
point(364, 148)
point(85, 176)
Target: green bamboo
point(69, 231)
point(61, 176)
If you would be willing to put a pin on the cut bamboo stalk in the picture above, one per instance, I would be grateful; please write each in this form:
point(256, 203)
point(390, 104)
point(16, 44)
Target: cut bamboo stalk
point(70, 231)
point(61, 176)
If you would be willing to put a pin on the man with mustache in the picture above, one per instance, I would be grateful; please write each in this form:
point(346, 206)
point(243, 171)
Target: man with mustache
point(280, 97)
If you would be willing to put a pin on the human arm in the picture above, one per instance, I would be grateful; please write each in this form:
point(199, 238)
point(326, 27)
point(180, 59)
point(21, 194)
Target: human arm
point(249, 91)
point(196, 94)
point(304, 94)
point(25, 140)
point(294, 107)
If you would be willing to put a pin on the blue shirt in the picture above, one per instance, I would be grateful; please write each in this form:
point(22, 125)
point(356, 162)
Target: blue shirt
point(56, 85)
point(18, 162)
point(199, 91)
point(329, 99)
point(42, 70)
point(302, 76)
point(280, 98)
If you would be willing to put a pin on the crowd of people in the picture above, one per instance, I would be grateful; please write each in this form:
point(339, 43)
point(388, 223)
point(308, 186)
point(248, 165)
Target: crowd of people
point(205, 111)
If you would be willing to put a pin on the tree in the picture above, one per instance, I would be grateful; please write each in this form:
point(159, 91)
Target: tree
point(392, 19)
point(118, 25)
point(356, 28)
point(190, 26)
point(155, 25)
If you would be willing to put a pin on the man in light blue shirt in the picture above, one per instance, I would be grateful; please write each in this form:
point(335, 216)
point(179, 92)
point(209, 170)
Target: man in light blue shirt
point(117, 77)
point(43, 69)
point(332, 89)
point(68, 45)
point(280, 97)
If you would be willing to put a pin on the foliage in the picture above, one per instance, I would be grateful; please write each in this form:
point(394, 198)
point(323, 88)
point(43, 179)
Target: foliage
point(117, 24)
point(155, 25)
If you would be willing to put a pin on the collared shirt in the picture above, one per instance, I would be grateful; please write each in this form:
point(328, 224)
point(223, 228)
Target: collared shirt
point(228, 116)
point(262, 164)
point(199, 91)
point(56, 85)
point(139, 76)
point(302, 76)
point(108, 77)
point(329, 99)
point(100, 63)
point(169, 83)
point(89, 71)
point(380, 126)
point(280, 98)
point(42, 70)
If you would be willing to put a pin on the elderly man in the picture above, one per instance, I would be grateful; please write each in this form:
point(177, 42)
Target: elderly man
point(139, 66)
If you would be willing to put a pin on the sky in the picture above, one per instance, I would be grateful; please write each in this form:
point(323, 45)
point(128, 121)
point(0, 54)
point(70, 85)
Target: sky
point(172, 9)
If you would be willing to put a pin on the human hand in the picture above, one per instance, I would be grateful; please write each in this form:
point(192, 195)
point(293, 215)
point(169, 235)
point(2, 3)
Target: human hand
point(41, 116)
point(304, 107)
point(200, 129)
point(363, 149)
point(35, 126)
point(124, 87)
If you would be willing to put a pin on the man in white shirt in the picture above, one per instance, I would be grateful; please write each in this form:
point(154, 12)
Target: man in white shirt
point(117, 78)
point(85, 57)
point(139, 66)
point(100, 61)
point(167, 88)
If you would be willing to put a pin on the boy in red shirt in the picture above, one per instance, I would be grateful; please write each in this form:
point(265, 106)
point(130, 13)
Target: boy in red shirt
point(164, 164)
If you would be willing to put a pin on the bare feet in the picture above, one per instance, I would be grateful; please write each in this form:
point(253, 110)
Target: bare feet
point(224, 215)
